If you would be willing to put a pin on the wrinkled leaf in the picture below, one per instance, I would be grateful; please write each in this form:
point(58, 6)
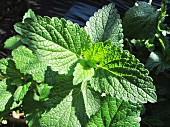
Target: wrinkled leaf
point(116, 113)
point(106, 25)
point(121, 75)
point(27, 63)
point(63, 115)
point(58, 43)
point(13, 42)
point(29, 14)
point(140, 21)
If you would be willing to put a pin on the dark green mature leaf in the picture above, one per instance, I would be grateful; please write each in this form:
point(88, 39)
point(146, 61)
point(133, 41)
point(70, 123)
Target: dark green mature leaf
point(58, 43)
point(82, 101)
point(159, 61)
point(61, 90)
point(140, 21)
point(13, 42)
point(63, 115)
point(120, 74)
point(116, 113)
point(106, 25)
point(27, 63)
point(153, 60)
point(50, 77)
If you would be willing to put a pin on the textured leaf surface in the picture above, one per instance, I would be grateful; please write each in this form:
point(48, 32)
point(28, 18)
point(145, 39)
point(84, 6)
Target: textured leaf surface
point(56, 42)
point(7, 67)
point(106, 25)
point(56, 112)
point(5, 96)
point(13, 42)
point(116, 113)
point(27, 63)
point(29, 14)
point(63, 115)
point(82, 73)
point(96, 54)
point(91, 100)
point(121, 75)
point(140, 21)
point(56, 106)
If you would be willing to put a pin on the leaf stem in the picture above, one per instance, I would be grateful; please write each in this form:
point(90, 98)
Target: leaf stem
point(161, 41)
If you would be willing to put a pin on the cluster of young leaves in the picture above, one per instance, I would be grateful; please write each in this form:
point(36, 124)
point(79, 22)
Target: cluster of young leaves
point(144, 24)
point(64, 75)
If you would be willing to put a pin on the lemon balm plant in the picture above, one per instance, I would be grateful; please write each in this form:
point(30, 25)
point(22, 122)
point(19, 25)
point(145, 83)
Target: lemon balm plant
point(62, 75)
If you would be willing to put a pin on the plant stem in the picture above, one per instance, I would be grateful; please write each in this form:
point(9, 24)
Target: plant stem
point(161, 41)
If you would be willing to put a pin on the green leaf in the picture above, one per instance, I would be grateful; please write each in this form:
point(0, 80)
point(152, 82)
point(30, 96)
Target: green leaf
point(5, 96)
point(27, 63)
point(116, 113)
point(82, 73)
point(50, 77)
point(96, 54)
point(153, 60)
point(32, 110)
point(91, 100)
point(21, 91)
point(3, 65)
point(106, 25)
point(121, 75)
point(63, 115)
point(29, 14)
point(43, 91)
point(60, 90)
point(140, 21)
point(58, 43)
point(13, 75)
point(13, 42)
point(159, 61)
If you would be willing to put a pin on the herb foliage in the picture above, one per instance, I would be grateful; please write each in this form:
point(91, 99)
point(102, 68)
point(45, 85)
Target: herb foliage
point(65, 75)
